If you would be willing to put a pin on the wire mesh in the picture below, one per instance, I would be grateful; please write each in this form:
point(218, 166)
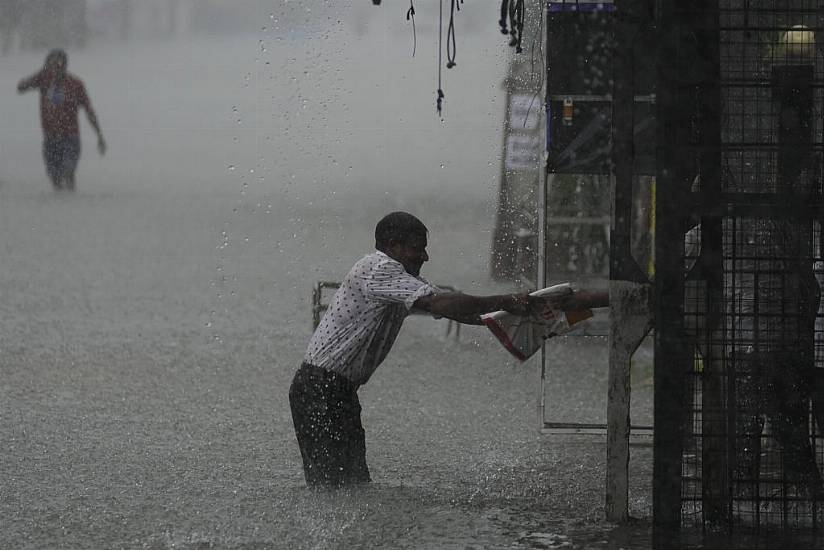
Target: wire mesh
point(754, 419)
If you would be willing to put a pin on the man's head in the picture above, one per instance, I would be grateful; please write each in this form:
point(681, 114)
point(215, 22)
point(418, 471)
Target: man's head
point(56, 62)
point(402, 237)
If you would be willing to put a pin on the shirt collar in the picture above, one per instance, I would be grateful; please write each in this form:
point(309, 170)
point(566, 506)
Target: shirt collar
point(390, 258)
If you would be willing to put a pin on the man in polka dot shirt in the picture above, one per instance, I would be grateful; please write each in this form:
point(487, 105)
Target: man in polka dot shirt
point(356, 334)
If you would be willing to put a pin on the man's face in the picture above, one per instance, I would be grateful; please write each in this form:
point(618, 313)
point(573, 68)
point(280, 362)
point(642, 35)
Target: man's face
point(412, 253)
point(55, 67)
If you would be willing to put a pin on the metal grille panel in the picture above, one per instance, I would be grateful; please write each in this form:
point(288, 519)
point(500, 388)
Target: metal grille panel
point(753, 450)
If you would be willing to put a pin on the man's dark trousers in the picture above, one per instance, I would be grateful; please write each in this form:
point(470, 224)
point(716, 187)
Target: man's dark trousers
point(326, 413)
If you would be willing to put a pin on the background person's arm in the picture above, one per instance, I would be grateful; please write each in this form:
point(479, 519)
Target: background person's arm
point(92, 116)
point(29, 83)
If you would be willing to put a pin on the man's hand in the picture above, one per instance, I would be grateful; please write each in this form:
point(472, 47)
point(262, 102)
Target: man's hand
point(565, 302)
point(467, 308)
point(520, 304)
point(28, 83)
point(543, 306)
point(101, 145)
point(526, 305)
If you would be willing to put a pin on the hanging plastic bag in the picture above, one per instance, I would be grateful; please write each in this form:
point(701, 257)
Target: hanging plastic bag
point(523, 336)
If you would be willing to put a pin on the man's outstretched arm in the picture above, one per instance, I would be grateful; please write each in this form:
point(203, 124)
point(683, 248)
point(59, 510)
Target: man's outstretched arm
point(583, 299)
point(29, 83)
point(467, 309)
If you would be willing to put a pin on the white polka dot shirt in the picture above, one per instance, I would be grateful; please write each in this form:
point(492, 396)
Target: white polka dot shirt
point(365, 316)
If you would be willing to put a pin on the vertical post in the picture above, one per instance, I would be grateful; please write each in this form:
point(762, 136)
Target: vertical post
point(628, 286)
point(673, 180)
point(792, 90)
point(702, 93)
point(544, 180)
point(543, 197)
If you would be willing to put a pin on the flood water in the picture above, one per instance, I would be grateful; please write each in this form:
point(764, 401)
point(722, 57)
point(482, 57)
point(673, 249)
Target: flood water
point(150, 323)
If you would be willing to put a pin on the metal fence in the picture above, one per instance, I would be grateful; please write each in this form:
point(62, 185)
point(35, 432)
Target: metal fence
point(751, 100)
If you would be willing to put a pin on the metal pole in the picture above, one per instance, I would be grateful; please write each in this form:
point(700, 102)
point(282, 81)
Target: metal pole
point(676, 96)
point(544, 179)
point(628, 285)
point(717, 435)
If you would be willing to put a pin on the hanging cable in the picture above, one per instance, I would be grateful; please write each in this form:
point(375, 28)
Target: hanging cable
point(439, 101)
point(519, 17)
point(410, 14)
point(451, 44)
point(513, 25)
point(504, 14)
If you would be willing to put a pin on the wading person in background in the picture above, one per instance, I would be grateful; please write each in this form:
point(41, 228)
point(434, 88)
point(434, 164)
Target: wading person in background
point(357, 332)
point(61, 96)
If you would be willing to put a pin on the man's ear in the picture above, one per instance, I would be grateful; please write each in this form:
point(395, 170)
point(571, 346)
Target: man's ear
point(393, 248)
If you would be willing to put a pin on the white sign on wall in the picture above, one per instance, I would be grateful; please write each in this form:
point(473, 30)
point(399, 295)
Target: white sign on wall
point(523, 111)
point(523, 151)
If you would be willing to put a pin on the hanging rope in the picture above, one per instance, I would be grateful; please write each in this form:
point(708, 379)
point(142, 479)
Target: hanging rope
point(451, 44)
point(439, 101)
point(513, 24)
point(410, 14)
point(517, 20)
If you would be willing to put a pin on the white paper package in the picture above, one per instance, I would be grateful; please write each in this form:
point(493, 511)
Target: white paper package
point(523, 336)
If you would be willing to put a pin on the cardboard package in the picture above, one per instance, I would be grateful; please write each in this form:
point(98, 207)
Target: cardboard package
point(523, 336)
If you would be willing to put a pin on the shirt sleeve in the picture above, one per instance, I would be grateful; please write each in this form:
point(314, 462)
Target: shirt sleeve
point(82, 97)
point(35, 81)
point(389, 282)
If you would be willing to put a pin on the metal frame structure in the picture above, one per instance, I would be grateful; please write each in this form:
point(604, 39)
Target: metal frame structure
point(739, 396)
point(616, 100)
point(739, 388)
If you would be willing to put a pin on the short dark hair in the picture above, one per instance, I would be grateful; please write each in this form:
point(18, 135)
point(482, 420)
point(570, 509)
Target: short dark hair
point(60, 54)
point(399, 227)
